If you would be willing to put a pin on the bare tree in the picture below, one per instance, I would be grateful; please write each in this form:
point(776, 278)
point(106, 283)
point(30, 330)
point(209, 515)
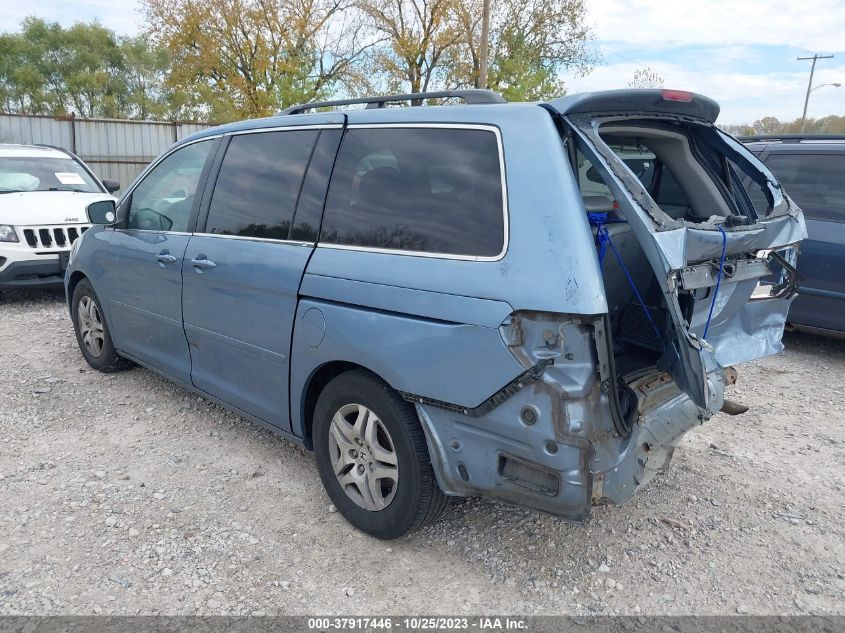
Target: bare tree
point(646, 78)
point(416, 35)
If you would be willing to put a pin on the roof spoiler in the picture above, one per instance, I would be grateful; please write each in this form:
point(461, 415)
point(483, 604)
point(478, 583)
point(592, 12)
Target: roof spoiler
point(643, 101)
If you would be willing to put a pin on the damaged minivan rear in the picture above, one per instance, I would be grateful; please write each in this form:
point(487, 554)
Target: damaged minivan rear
point(527, 302)
point(694, 270)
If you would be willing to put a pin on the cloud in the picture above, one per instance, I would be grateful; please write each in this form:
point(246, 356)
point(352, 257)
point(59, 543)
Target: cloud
point(819, 24)
point(744, 97)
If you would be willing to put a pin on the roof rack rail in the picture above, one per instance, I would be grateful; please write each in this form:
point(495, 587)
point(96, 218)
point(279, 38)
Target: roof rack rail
point(792, 138)
point(470, 96)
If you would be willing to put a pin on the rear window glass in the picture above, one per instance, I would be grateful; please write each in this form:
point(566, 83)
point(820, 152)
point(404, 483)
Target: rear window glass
point(258, 185)
point(815, 181)
point(654, 176)
point(432, 190)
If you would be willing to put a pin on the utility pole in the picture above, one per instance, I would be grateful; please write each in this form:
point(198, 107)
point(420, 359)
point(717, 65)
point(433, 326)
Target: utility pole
point(485, 44)
point(815, 58)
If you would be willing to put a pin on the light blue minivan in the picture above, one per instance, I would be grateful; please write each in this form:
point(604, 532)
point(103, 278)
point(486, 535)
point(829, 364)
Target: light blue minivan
point(481, 298)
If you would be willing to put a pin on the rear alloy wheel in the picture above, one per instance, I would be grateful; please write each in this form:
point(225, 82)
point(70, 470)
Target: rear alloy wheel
point(363, 458)
point(372, 457)
point(92, 331)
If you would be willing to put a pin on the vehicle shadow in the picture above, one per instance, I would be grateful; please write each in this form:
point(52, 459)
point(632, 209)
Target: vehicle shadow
point(31, 296)
point(814, 344)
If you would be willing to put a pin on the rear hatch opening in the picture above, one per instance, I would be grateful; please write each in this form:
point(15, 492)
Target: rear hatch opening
point(681, 215)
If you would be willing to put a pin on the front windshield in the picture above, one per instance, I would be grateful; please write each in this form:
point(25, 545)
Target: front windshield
point(33, 173)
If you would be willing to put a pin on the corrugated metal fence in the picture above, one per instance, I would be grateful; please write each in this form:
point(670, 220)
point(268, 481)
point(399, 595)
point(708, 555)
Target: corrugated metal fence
point(112, 148)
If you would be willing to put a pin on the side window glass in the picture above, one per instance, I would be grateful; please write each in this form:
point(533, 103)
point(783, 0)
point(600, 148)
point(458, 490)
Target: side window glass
point(309, 210)
point(163, 200)
point(654, 176)
point(431, 190)
point(814, 181)
point(670, 193)
point(259, 182)
point(591, 182)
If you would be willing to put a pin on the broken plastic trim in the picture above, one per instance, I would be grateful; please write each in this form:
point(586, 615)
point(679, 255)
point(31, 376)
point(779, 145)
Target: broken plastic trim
point(787, 285)
point(516, 385)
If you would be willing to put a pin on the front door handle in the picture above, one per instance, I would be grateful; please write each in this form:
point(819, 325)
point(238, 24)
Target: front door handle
point(166, 258)
point(201, 262)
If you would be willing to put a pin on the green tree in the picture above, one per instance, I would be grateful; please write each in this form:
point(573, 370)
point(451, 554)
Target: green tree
point(91, 68)
point(532, 42)
point(30, 68)
point(145, 72)
point(85, 69)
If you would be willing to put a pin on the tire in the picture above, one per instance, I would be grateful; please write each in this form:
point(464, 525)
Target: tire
point(92, 331)
point(411, 500)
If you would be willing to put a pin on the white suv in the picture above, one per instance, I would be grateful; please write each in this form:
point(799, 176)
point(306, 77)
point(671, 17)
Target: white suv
point(43, 195)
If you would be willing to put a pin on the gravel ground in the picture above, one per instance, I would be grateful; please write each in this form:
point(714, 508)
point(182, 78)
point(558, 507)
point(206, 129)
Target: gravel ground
point(124, 494)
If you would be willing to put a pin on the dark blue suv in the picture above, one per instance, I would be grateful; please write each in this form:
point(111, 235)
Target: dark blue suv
point(812, 170)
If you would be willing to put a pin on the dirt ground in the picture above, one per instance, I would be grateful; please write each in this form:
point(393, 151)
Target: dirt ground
point(124, 494)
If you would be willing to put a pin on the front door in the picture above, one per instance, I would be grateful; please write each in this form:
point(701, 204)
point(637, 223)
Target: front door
point(145, 283)
point(242, 271)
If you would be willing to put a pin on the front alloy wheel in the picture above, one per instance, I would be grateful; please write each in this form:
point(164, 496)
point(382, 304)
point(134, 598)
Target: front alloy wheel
point(92, 330)
point(91, 326)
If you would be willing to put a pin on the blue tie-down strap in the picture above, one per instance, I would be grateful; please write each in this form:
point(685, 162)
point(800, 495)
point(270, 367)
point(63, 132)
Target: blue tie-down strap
point(718, 280)
point(600, 221)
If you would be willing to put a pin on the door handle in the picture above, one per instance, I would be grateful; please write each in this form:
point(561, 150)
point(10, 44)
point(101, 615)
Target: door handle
point(166, 258)
point(201, 262)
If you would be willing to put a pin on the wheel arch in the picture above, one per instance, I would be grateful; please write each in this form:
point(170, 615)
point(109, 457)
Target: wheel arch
point(73, 281)
point(317, 381)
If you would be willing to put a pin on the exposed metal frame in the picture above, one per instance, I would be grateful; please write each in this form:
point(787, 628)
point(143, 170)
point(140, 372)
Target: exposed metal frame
point(505, 207)
point(471, 96)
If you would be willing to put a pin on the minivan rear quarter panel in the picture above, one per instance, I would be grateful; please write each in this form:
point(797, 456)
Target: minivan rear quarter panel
point(430, 325)
point(548, 265)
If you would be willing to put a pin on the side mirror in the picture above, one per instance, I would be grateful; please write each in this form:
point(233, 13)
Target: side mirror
point(102, 212)
point(110, 185)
